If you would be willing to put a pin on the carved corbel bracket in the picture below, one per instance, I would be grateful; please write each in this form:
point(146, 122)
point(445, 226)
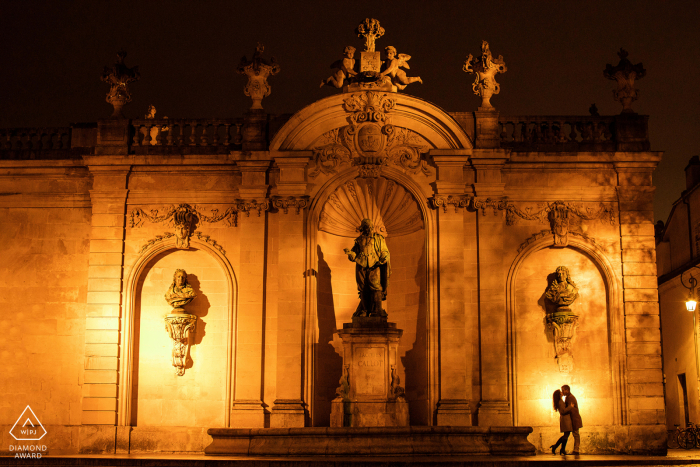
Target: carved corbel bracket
point(495, 204)
point(247, 206)
point(296, 202)
point(441, 201)
point(180, 326)
point(563, 325)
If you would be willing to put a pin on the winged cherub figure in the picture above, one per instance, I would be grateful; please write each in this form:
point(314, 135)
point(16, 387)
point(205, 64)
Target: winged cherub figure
point(393, 68)
point(344, 69)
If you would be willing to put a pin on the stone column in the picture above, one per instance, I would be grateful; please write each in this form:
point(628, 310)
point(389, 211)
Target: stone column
point(494, 408)
point(645, 388)
point(455, 350)
point(247, 410)
point(289, 407)
point(108, 196)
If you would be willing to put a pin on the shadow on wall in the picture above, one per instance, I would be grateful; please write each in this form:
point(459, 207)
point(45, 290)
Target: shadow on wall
point(415, 360)
point(327, 362)
point(548, 307)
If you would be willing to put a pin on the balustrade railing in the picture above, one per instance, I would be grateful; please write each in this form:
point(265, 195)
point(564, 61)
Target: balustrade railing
point(176, 132)
point(557, 133)
point(37, 139)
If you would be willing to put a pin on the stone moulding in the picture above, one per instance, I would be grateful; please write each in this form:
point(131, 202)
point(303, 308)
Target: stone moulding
point(199, 235)
point(439, 201)
point(298, 203)
point(545, 233)
point(380, 441)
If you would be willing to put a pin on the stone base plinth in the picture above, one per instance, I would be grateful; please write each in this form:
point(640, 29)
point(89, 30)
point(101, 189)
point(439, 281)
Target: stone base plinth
point(366, 414)
point(370, 86)
point(408, 441)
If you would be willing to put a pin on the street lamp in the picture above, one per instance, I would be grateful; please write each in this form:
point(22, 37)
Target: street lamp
point(692, 302)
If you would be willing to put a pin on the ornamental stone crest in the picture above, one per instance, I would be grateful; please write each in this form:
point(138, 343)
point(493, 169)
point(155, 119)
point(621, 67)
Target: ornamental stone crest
point(561, 217)
point(118, 77)
point(371, 73)
point(485, 67)
point(370, 140)
point(257, 70)
point(625, 73)
point(184, 220)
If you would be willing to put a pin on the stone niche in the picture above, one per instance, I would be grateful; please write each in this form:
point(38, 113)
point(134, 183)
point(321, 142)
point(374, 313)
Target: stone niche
point(159, 396)
point(538, 374)
point(406, 301)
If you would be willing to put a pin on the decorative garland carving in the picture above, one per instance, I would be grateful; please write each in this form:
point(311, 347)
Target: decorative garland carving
point(167, 235)
point(545, 233)
point(298, 203)
point(370, 140)
point(156, 239)
point(209, 240)
point(439, 201)
point(561, 217)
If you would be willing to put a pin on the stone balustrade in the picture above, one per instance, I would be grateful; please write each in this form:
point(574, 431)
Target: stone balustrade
point(187, 132)
point(557, 133)
point(35, 138)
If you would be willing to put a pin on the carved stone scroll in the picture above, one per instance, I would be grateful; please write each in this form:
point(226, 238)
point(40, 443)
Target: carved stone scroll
point(439, 201)
point(180, 327)
point(298, 203)
point(562, 322)
point(254, 205)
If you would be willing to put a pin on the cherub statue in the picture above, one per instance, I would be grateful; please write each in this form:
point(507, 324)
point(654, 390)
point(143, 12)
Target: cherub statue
point(344, 69)
point(393, 68)
point(155, 129)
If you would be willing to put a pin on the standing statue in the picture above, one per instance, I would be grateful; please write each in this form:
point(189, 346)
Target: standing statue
point(180, 292)
point(562, 291)
point(344, 69)
point(372, 270)
point(393, 68)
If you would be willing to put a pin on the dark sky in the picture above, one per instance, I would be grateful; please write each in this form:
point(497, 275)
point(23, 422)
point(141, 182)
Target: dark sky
point(52, 55)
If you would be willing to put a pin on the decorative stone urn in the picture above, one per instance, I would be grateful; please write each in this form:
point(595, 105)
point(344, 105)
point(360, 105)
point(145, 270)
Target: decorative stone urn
point(485, 67)
point(369, 394)
point(625, 74)
point(563, 323)
point(258, 70)
point(180, 325)
point(118, 77)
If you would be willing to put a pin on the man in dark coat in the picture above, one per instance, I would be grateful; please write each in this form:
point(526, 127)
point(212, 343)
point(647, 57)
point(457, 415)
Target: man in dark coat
point(576, 421)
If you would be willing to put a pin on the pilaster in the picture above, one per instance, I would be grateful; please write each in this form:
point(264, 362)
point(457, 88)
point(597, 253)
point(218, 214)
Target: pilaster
point(645, 388)
point(455, 349)
point(494, 408)
point(105, 267)
point(289, 408)
point(247, 408)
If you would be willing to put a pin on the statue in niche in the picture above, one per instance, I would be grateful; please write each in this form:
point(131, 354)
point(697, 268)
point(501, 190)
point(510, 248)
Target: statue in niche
point(562, 291)
point(372, 270)
point(344, 69)
point(393, 68)
point(180, 292)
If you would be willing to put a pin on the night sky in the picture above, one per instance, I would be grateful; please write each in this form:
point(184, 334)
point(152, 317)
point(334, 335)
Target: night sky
point(53, 53)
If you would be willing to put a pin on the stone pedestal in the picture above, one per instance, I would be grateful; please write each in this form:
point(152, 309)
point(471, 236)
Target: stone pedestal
point(180, 326)
point(369, 394)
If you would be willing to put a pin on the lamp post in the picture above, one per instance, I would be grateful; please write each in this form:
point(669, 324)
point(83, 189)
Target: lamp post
point(691, 305)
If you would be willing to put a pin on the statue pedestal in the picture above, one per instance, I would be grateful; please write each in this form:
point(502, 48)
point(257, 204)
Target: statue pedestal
point(373, 397)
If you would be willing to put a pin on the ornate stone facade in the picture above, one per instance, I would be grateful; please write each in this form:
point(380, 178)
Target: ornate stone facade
point(258, 210)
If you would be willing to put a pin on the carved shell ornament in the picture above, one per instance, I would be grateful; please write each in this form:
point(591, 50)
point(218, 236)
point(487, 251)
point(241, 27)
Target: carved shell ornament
point(391, 208)
point(371, 139)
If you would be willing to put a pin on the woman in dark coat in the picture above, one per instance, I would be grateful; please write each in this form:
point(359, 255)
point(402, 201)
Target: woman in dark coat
point(565, 425)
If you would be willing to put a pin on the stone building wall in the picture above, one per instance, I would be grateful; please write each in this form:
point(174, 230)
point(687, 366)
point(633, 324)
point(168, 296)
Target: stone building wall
point(473, 254)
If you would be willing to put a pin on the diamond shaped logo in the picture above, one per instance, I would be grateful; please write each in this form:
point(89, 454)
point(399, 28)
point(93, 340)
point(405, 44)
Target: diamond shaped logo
point(28, 427)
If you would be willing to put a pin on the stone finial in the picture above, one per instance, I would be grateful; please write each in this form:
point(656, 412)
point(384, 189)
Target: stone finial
point(625, 73)
point(371, 31)
point(257, 70)
point(118, 77)
point(485, 68)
